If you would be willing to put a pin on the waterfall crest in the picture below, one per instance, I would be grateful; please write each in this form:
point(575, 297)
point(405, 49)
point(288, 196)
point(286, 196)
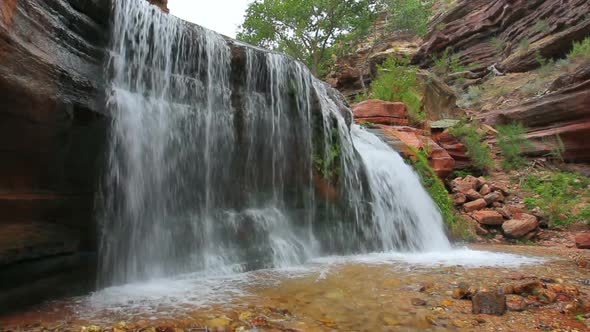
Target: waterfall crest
point(225, 158)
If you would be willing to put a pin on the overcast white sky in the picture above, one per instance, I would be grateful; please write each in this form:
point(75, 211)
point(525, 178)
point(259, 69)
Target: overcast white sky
point(223, 16)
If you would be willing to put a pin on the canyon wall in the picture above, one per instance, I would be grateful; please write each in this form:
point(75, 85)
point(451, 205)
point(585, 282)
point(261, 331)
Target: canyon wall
point(52, 133)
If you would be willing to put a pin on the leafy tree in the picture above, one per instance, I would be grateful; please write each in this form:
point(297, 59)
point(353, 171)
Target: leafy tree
point(411, 15)
point(305, 29)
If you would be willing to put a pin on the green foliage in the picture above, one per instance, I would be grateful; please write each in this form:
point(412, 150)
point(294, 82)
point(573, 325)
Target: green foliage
point(542, 26)
point(558, 149)
point(360, 97)
point(461, 173)
point(411, 15)
point(524, 44)
point(581, 50)
point(557, 194)
point(512, 142)
point(498, 43)
point(463, 229)
point(471, 97)
point(478, 151)
point(305, 29)
point(366, 124)
point(328, 161)
point(434, 186)
point(532, 88)
point(447, 64)
point(547, 65)
point(397, 81)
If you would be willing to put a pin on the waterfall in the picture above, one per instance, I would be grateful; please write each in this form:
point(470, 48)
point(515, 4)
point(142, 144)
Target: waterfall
point(225, 158)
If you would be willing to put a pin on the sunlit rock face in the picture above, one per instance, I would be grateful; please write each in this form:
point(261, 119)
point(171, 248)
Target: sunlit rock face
point(52, 130)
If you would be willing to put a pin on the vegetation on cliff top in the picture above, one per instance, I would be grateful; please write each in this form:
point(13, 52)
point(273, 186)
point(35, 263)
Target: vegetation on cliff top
point(313, 31)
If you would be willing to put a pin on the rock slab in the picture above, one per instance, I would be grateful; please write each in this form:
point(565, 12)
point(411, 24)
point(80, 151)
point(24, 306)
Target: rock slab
point(489, 303)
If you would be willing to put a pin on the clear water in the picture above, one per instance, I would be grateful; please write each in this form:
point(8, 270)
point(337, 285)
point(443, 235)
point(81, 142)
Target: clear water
point(226, 158)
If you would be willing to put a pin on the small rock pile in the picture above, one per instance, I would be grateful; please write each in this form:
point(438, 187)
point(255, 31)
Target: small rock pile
point(527, 293)
point(486, 204)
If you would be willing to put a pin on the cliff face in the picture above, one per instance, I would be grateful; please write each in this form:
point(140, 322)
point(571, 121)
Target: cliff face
point(52, 129)
point(516, 37)
point(513, 36)
point(483, 32)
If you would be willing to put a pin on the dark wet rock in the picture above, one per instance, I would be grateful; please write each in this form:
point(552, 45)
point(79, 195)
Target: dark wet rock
point(489, 303)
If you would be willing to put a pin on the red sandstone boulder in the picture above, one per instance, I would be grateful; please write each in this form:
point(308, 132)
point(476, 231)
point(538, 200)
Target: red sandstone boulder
point(583, 241)
point(473, 195)
point(475, 205)
point(381, 112)
point(407, 140)
point(454, 147)
point(516, 228)
point(487, 217)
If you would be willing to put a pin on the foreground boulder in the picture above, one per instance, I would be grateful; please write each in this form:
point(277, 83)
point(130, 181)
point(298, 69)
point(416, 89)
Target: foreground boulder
point(518, 228)
point(381, 112)
point(489, 303)
point(488, 217)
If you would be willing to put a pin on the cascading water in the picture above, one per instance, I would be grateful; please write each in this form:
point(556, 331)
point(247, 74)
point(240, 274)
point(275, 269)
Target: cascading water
point(224, 157)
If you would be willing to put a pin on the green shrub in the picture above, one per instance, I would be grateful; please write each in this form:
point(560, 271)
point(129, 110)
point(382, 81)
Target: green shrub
point(412, 15)
point(547, 65)
point(366, 124)
point(557, 194)
point(498, 43)
point(512, 142)
point(532, 88)
point(398, 81)
point(558, 149)
point(471, 97)
point(524, 44)
point(328, 162)
point(434, 186)
point(463, 229)
point(447, 64)
point(580, 50)
point(542, 26)
point(478, 151)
